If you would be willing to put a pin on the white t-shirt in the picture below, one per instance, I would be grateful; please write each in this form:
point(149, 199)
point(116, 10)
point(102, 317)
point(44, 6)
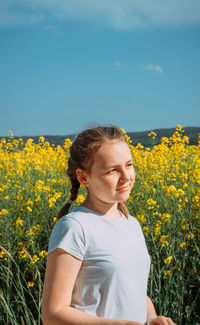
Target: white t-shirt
point(112, 281)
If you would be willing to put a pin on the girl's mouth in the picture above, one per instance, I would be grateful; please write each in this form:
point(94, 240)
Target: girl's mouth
point(123, 188)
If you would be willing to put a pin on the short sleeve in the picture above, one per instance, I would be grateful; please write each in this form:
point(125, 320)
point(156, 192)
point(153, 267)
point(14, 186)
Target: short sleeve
point(68, 234)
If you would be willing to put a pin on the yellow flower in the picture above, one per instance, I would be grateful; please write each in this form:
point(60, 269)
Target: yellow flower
point(171, 189)
point(164, 140)
point(180, 192)
point(53, 199)
point(185, 226)
point(166, 274)
point(29, 209)
point(19, 222)
point(157, 230)
point(80, 198)
point(183, 244)
point(23, 254)
point(34, 230)
point(179, 128)
point(155, 213)
point(152, 134)
point(10, 134)
point(37, 199)
point(163, 240)
point(30, 284)
point(39, 185)
point(150, 202)
point(195, 199)
point(29, 202)
point(2, 253)
point(183, 177)
point(43, 253)
point(3, 211)
point(67, 144)
point(123, 131)
point(154, 190)
point(52, 202)
point(146, 230)
point(35, 259)
point(166, 217)
point(139, 146)
point(41, 139)
point(141, 218)
point(168, 260)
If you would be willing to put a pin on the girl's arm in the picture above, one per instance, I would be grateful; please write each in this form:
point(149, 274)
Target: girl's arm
point(153, 319)
point(61, 272)
point(151, 312)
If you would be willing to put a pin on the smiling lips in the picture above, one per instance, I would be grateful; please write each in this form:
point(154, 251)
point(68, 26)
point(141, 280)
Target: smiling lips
point(124, 188)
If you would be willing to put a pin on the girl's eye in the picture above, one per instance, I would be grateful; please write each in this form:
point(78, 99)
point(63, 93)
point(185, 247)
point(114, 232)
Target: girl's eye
point(130, 165)
point(111, 171)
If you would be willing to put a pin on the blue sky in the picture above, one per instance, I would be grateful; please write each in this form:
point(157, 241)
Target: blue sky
point(68, 65)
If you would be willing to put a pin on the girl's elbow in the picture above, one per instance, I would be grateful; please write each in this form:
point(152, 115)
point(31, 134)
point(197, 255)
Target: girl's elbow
point(52, 316)
point(47, 315)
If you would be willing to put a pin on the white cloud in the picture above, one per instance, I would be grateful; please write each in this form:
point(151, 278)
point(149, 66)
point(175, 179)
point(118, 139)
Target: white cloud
point(116, 14)
point(120, 65)
point(153, 68)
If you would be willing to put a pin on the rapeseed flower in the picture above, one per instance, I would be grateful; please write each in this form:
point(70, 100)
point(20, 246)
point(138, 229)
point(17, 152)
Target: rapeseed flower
point(35, 258)
point(152, 134)
point(80, 198)
point(146, 230)
point(168, 260)
point(164, 241)
point(30, 284)
point(182, 244)
point(43, 253)
point(168, 272)
point(166, 217)
point(3, 212)
point(19, 222)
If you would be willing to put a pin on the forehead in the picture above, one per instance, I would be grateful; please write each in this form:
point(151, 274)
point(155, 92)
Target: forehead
point(113, 152)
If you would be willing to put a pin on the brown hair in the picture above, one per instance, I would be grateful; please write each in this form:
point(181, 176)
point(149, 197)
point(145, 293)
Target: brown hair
point(85, 144)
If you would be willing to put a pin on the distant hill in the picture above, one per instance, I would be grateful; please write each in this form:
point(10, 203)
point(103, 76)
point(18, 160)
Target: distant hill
point(142, 137)
point(136, 137)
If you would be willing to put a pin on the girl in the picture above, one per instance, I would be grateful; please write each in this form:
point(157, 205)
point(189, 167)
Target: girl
point(98, 264)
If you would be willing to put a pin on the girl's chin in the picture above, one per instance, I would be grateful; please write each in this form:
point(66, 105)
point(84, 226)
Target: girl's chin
point(124, 195)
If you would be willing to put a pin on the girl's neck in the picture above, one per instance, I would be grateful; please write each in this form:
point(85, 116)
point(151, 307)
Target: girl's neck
point(104, 208)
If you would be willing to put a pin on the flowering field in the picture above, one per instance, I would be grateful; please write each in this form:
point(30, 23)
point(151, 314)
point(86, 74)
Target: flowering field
point(165, 199)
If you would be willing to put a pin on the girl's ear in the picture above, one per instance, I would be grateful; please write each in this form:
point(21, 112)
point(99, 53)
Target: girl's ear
point(82, 176)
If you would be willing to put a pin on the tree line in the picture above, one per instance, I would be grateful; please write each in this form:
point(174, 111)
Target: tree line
point(136, 137)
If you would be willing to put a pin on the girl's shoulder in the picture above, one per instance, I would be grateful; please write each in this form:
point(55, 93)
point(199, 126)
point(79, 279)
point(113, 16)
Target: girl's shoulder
point(77, 216)
point(134, 222)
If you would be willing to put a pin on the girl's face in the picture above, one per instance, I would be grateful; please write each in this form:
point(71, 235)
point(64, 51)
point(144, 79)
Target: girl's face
point(111, 175)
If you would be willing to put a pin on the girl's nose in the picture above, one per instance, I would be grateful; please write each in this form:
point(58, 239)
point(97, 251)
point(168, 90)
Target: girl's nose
point(124, 175)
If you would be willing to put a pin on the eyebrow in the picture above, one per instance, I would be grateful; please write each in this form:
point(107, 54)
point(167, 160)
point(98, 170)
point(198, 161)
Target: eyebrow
point(113, 166)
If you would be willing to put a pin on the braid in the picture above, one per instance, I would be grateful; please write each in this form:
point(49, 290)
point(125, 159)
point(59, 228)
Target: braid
point(74, 192)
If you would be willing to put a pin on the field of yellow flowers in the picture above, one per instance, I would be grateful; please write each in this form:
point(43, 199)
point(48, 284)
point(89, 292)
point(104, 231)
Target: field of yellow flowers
point(165, 199)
